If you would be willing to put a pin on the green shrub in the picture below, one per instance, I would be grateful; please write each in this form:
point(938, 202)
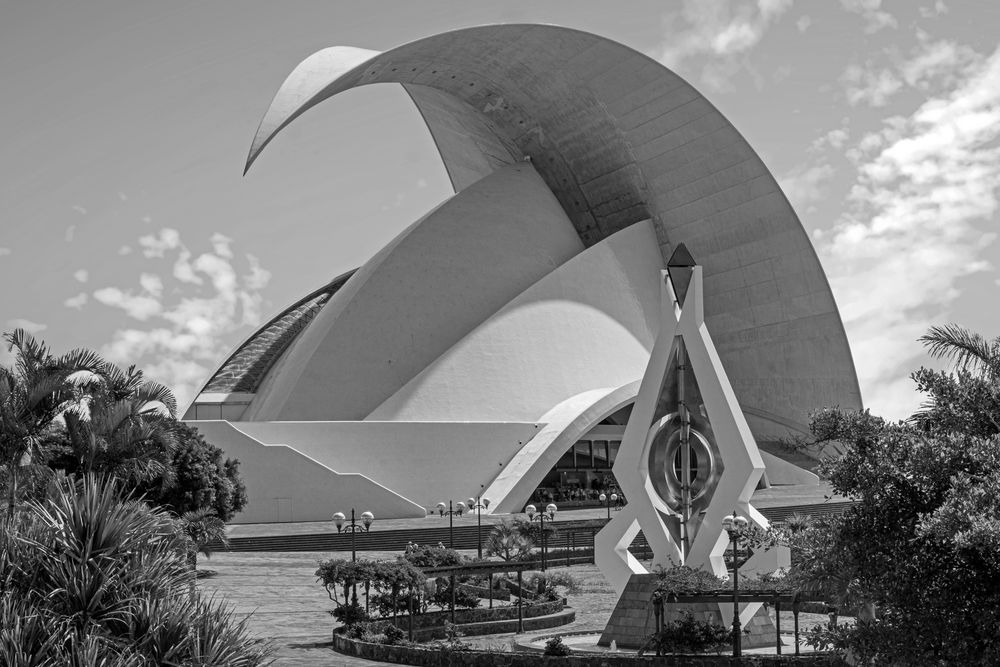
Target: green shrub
point(376, 632)
point(555, 646)
point(688, 635)
point(350, 614)
point(90, 579)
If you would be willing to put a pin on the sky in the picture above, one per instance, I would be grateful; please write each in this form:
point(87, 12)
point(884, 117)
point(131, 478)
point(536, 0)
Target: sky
point(127, 226)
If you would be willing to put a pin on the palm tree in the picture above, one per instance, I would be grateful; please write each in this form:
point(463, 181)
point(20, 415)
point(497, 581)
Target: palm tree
point(203, 530)
point(33, 392)
point(118, 424)
point(968, 350)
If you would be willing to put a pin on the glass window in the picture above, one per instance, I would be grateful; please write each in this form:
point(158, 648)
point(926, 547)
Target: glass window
point(601, 454)
point(613, 452)
point(566, 460)
point(583, 454)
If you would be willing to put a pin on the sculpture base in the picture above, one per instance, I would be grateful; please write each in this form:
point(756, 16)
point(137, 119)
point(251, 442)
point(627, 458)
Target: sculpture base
point(633, 621)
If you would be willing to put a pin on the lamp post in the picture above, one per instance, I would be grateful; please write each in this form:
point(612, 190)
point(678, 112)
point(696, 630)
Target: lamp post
point(550, 510)
point(479, 504)
point(354, 527)
point(450, 513)
point(608, 501)
point(736, 525)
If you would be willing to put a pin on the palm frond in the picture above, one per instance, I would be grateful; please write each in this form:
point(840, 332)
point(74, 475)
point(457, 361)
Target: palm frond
point(153, 392)
point(968, 350)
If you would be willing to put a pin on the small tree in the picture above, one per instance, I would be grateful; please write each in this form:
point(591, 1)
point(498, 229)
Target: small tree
point(200, 478)
point(509, 542)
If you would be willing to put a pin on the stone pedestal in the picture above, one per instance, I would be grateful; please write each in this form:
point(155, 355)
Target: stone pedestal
point(633, 620)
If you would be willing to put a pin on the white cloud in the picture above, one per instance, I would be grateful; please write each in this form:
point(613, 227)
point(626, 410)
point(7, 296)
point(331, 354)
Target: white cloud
point(927, 185)
point(936, 9)
point(122, 196)
point(79, 209)
point(29, 326)
point(125, 250)
point(77, 302)
point(716, 28)
point(152, 284)
point(4, 251)
point(835, 139)
point(81, 276)
point(805, 185)
point(156, 245)
point(803, 23)
point(221, 244)
point(194, 320)
point(935, 61)
point(147, 219)
point(136, 306)
point(864, 84)
point(68, 234)
point(871, 11)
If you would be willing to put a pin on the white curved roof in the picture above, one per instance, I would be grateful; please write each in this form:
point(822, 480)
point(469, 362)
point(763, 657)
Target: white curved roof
point(618, 138)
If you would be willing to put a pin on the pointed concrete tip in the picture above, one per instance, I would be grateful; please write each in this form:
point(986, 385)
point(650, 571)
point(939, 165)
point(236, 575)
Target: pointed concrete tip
point(312, 81)
point(681, 257)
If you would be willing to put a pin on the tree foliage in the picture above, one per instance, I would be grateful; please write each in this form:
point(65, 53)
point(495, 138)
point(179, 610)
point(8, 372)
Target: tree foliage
point(921, 546)
point(200, 478)
point(87, 578)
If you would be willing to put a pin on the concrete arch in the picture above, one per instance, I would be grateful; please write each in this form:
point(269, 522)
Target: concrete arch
point(619, 138)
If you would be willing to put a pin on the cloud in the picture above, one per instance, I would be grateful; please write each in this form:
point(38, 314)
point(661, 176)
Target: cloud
point(925, 192)
point(29, 326)
point(152, 284)
point(194, 319)
point(717, 28)
point(68, 235)
point(864, 84)
point(871, 10)
point(125, 250)
point(77, 302)
point(79, 209)
point(81, 276)
point(156, 245)
point(805, 185)
point(137, 306)
point(937, 63)
point(803, 23)
point(4, 251)
point(835, 139)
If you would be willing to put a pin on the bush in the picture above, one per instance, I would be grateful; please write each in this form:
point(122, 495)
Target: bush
point(688, 635)
point(89, 578)
point(431, 556)
point(350, 614)
point(555, 646)
point(376, 632)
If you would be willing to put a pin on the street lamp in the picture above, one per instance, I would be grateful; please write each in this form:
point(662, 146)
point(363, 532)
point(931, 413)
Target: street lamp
point(608, 501)
point(353, 527)
point(550, 510)
point(479, 504)
point(451, 513)
point(736, 526)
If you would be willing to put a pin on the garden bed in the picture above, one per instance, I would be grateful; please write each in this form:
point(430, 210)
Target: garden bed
point(423, 656)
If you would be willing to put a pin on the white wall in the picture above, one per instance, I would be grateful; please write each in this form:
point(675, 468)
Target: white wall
point(589, 324)
point(419, 295)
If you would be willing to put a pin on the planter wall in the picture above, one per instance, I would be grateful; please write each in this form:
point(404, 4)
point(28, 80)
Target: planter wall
point(428, 657)
point(478, 615)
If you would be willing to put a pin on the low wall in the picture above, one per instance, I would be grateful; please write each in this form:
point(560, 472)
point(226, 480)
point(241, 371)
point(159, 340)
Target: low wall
point(499, 626)
point(429, 657)
point(479, 615)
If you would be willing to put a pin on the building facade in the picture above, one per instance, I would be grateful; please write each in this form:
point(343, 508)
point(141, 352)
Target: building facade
point(505, 332)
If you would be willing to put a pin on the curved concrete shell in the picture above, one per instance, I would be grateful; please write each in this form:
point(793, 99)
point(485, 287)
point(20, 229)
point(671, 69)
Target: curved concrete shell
point(619, 138)
point(525, 306)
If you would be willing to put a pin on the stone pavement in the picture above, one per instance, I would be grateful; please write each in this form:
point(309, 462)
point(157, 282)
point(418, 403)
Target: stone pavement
point(776, 496)
point(289, 607)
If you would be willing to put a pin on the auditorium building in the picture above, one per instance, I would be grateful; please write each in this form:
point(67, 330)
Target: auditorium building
point(495, 347)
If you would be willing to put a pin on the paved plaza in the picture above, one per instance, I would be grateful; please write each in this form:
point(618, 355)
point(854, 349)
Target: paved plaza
point(289, 607)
